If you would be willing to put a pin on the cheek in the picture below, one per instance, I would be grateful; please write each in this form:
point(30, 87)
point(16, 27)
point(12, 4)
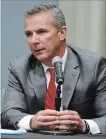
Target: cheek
point(29, 43)
point(47, 38)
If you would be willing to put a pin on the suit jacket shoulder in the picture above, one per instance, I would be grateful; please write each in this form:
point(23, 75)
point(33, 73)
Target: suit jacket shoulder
point(87, 59)
point(84, 53)
point(20, 64)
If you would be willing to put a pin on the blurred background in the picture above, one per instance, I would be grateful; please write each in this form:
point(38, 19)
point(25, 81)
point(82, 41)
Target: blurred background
point(85, 20)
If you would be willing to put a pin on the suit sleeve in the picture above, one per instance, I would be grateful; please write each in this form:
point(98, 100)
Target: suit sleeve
point(15, 105)
point(100, 95)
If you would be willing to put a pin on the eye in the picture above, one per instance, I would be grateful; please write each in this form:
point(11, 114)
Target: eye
point(42, 31)
point(28, 34)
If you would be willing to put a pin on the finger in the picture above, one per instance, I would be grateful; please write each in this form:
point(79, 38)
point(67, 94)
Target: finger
point(62, 127)
point(69, 117)
point(68, 127)
point(49, 112)
point(48, 124)
point(47, 118)
point(69, 122)
point(67, 112)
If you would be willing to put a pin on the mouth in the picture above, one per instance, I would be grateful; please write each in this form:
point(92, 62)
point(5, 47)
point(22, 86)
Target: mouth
point(39, 50)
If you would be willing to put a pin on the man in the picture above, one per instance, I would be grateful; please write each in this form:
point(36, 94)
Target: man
point(84, 89)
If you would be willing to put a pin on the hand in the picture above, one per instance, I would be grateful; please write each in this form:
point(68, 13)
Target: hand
point(46, 119)
point(70, 120)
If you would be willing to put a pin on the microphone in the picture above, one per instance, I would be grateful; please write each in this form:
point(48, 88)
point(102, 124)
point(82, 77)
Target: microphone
point(57, 63)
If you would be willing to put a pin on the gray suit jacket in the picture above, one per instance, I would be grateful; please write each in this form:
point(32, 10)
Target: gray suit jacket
point(84, 88)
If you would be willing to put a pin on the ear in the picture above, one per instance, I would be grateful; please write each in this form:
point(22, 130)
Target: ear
point(63, 33)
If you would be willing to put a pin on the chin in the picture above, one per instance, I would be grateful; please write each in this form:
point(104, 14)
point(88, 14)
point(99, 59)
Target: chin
point(41, 58)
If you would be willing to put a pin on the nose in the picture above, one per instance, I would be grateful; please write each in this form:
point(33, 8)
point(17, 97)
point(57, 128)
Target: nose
point(35, 38)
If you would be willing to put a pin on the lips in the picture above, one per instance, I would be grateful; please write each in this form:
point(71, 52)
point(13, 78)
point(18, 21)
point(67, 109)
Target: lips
point(39, 50)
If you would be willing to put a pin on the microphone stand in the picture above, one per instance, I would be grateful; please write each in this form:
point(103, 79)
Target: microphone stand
point(58, 98)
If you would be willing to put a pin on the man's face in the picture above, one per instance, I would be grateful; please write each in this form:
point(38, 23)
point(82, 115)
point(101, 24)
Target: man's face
point(43, 38)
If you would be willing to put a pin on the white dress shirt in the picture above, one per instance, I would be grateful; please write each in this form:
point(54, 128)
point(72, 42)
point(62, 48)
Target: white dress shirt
point(25, 121)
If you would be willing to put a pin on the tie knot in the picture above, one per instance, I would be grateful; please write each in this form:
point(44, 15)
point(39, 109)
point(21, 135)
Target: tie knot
point(52, 73)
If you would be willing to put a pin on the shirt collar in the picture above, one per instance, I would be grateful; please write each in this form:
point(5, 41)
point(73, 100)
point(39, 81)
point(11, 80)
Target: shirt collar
point(63, 59)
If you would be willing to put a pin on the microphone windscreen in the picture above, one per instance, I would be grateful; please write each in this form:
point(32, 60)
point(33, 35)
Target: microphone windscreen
point(56, 59)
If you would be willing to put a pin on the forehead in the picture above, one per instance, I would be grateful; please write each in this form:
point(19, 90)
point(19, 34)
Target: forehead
point(39, 20)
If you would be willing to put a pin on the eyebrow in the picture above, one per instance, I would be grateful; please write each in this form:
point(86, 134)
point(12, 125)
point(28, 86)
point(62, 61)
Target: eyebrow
point(40, 29)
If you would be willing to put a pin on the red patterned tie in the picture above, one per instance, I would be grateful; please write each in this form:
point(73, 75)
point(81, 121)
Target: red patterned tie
point(51, 91)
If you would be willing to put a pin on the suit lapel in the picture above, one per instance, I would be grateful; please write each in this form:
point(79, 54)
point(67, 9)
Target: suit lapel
point(71, 74)
point(39, 83)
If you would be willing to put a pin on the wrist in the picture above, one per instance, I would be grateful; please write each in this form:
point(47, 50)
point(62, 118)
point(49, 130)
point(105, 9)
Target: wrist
point(33, 122)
